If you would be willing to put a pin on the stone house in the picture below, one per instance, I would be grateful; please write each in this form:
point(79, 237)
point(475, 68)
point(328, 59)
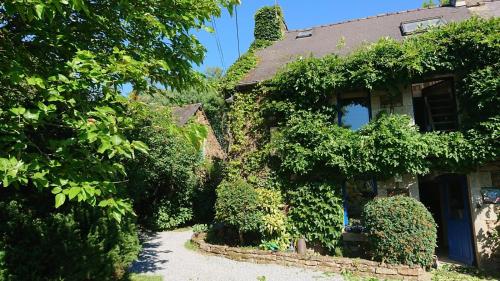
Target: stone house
point(465, 218)
point(211, 147)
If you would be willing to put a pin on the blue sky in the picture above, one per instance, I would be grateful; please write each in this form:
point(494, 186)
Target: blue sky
point(298, 14)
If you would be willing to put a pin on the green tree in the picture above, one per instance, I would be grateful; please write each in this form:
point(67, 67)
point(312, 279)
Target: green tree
point(62, 117)
point(428, 4)
point(163, 181)
point(63, 120)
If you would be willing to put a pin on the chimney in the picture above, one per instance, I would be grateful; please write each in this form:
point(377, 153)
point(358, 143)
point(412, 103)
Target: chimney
point(269, 24)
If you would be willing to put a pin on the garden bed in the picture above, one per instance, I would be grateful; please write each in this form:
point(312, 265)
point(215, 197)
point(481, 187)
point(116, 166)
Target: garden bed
point(360, 267)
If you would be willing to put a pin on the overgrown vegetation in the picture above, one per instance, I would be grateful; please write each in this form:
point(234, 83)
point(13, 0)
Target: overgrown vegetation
point(269, 23)
point(65, 209)
point(400, 230)
point(75, 243)
point(306, 145)
point(316, 214)
point(163, 182)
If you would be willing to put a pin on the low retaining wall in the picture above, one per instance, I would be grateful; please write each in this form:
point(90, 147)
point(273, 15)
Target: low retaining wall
point(358, 267)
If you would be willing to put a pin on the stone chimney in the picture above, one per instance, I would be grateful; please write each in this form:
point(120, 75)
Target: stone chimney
point(269, 23)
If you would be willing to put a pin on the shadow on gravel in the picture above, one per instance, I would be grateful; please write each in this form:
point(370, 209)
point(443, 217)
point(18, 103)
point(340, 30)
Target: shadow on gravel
point(149, 260)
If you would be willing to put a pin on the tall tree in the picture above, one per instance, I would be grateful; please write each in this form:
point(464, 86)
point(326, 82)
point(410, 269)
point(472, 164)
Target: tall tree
point(62, 63)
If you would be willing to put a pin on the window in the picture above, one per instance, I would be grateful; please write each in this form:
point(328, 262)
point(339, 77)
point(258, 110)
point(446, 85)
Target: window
point(354, 112)
point(416, 26)
point(304, 34)
point(356, 195)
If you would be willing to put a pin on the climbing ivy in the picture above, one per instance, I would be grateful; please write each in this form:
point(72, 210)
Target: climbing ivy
point(242, 66)
point(269, 23)
point(313, 141)
point(306, 145)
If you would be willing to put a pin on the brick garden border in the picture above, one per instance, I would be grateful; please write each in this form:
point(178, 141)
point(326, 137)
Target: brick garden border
point(359, 267)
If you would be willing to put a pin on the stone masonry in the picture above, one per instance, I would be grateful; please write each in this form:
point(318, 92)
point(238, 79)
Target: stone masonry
point(359, 267)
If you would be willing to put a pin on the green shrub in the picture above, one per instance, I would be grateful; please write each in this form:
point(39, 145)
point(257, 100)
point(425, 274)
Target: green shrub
point(163, 181)
point(79, 244)
point(237, 207)
point(200, 228)
point(400, 230)
point(3, 267)
point(169, 214)
point(274, 228)
point(316, 214)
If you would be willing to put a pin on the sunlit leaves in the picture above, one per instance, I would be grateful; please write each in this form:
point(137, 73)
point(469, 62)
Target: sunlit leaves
point(387, 146)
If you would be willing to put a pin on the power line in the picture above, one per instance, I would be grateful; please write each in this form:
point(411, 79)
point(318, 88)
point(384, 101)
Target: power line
point(237, 31)
point(217, 41)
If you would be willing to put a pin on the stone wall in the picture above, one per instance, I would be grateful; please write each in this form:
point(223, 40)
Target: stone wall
point(401, 105)
point(485, 217)
point(359, 267)
point(212, 148)
point(406, 185)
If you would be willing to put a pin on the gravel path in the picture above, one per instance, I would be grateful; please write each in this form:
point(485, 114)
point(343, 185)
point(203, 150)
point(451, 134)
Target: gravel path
point(164, 254)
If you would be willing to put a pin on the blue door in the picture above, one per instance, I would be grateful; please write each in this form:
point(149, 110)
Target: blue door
point(457, 215)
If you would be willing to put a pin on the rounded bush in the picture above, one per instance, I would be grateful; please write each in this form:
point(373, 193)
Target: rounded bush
point(400, 230)
point(237, 206)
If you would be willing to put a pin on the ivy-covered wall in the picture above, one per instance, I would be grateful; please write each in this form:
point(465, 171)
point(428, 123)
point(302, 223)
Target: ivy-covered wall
point(285, 131)
point(269, 23)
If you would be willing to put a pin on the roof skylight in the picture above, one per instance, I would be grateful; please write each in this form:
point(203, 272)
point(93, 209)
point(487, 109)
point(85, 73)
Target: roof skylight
point(422, 25)
point(304, 34)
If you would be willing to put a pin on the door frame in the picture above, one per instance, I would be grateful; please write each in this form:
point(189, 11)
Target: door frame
point(464, 182)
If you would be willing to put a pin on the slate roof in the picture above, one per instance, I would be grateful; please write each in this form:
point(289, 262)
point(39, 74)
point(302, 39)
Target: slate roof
point(354, 33)
point(182, 114)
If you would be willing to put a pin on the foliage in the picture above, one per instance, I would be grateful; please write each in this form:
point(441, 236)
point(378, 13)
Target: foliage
point(190, 245)
point(237, 206)
point(243, 116)
point(61, 117)
point(75, 244)
point(162, 182)
point(242, 66)
point(400, 230)
point(480, 88)
point(310, 145)
point(273, 228)
point(428, 4)
point(316, 214)
point(212, 100)
point(312, 141)
point(3, 267)
point(200, 228)
point(60, 142)
point(171, 213)
point(269, 23)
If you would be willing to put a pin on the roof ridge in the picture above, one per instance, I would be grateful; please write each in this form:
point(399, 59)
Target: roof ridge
point(366, 18)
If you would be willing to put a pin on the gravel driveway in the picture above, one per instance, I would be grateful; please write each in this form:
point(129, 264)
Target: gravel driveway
point(164, 254)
